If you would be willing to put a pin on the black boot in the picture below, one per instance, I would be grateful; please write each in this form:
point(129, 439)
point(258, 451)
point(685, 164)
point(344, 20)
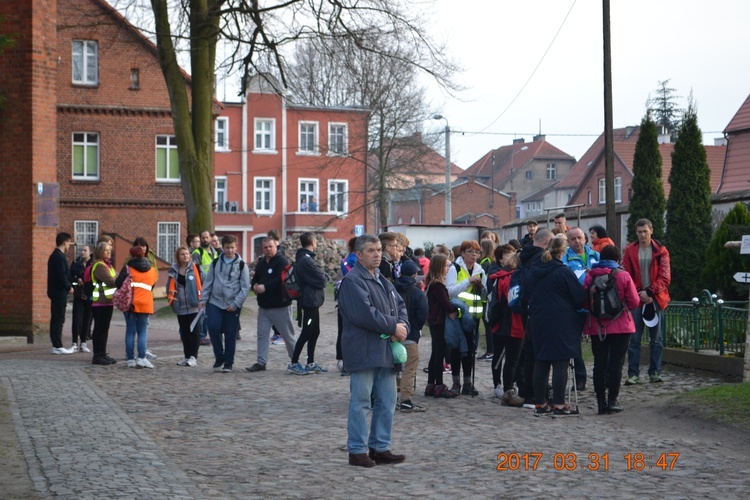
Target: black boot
point(614, 406)
point(601, 402)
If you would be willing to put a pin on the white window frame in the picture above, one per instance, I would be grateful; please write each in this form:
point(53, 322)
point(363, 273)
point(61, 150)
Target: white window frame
point(171, 149)
point(85, 232)
point(261, 133)
point(602, 191)
point(306, 193)
point(316, 142)
point(618, 189)
point(221, 201)
point(551, 171)
point(344, 195)
point(81, 49)
point(332, 151)
point(261, 193)
point(167, 241)
point(85, 144)
point(221, 134)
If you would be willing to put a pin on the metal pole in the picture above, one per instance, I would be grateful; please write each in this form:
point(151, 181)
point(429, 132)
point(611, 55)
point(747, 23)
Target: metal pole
point(448, 218)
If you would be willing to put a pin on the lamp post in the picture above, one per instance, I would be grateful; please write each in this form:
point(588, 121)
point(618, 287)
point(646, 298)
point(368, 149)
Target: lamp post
point(448, 218)
point(514, 153)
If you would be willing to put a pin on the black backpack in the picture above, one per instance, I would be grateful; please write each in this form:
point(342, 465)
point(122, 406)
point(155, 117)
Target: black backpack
point(493, 312)
point(604, 301)
point(514, 290)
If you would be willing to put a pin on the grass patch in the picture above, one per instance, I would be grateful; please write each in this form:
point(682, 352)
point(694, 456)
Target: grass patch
point(727, 403)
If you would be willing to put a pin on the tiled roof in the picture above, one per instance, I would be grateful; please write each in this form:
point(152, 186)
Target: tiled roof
point(741, 119)
point(418, 158)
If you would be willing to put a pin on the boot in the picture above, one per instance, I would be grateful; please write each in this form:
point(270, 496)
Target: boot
point(613, 406)
point(601, 403)
point(441, 391)
point(429, 390)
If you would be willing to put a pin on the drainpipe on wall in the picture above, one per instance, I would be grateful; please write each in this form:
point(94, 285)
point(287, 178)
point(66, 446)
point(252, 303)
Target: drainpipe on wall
point(245, 208)
point(283, 167)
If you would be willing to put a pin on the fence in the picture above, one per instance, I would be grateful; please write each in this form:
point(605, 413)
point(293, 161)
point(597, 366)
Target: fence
point(706, 323)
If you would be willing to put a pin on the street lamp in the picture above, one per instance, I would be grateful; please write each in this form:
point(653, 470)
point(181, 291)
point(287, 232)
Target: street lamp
point(448, 218)
point(514, 153)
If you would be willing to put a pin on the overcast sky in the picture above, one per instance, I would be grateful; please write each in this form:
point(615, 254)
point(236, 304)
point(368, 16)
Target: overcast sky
point(700, 45)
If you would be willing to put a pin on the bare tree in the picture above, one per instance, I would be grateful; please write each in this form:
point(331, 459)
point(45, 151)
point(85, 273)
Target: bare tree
point(259, 35)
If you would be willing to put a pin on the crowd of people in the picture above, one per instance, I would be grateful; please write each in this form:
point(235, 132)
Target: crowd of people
point(535, 299)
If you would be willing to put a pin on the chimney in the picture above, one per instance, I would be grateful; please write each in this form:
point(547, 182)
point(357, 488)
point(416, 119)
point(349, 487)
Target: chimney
point(629, 131)
point(539, 137)
point(664, 139)
point(720, 141)
point(520, 140)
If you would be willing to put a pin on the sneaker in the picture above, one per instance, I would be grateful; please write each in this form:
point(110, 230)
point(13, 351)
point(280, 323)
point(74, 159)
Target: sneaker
point(446, 368)
point(182, 362)
point(442, 391)
point(227, 369)
point(205, 341)
point(633, 380)
point(655, 378)
point(218, 366)
point(614, 407)
point(542, 411)
point(150, 355)
point(143, 363)
point(510, 398)
point(296, 369)
point(257, 367)
point(408, 406)
point(74, 347)
point(487, 356)
point(498, 392)
point(315, 368)
point(565, 411)
point(278, 341)
point(61, 350)
point(192, 361)
point(340, 364)
point(344, 373)
point(84, 347)
point(131, 363)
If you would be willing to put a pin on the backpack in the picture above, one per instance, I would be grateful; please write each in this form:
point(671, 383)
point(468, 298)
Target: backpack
point(88, 284)
point(290, 286)
point(123, 296)
point(604, 301)
point(493, 313)
point(514, 290)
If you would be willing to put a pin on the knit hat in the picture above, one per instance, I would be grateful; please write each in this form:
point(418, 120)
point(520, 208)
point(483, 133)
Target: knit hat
point(409, 268)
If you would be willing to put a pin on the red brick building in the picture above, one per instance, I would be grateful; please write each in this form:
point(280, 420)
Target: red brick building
point(288, 167)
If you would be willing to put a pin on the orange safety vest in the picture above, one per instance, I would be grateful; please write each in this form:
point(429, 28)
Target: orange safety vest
point(142, 285)
point(172, 290)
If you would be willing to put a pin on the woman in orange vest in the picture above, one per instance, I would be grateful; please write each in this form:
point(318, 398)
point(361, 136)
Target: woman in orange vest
point(184, 291)
point(136, 319)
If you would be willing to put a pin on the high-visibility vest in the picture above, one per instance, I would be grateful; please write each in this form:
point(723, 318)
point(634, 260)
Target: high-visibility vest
point(142, 284)
point(102, 292)
point(206, 257)
point(172, 290)
point(472, 300)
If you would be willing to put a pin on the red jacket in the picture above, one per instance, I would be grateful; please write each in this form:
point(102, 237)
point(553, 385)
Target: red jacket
point(516, 322)
point(660, 271)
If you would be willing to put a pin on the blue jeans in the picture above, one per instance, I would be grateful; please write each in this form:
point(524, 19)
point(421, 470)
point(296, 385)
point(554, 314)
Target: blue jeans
point(380, 383)
point(135, 323)
point(655, 344)
point(221, 321)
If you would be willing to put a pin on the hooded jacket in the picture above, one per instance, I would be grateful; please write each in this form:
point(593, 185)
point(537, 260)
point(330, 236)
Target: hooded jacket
point(554, 295)
point(144, 278)
point(187, 298)
point(660, 271)
point(416, 305)
point(628, 296)
point(511, 324)
point(227, 283)
point(312, 279)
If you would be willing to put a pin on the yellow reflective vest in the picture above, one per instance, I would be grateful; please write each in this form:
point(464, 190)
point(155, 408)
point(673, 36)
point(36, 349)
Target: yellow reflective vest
point(472, 300)
point(102, 292)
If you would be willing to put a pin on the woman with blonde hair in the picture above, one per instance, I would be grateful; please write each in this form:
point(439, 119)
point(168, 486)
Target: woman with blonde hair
point(438, 308)
point(103, 276)
point(184, 291)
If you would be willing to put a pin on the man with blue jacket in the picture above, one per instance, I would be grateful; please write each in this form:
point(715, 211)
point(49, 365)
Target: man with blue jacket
point(371, 308)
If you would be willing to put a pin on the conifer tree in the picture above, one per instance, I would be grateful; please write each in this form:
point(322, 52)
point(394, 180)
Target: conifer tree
point(723, 263)
point(688, 208)
point(648, 191)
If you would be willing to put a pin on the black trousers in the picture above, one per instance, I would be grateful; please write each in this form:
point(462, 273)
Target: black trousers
point(81, 320)
point(309, 334)
point(435, 367)
point(512, 347)
point(102, 318)
point(609, 356)
point(191, 340)
point(57, 319)
point(559, 380)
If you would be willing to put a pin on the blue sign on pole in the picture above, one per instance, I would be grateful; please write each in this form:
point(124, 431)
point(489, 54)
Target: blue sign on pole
point(359, 230)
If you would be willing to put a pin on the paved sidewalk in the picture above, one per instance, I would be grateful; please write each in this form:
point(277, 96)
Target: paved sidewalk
point(100, 432)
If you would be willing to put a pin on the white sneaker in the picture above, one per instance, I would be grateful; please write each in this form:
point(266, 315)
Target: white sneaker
point(74, 347)
point(84, 347)
point(61, 350)
point(499, 392)
point(143, 363)
point(131, 363)
point(182, 362)
point(192, 361)
point(340, 365)
point(150, 355)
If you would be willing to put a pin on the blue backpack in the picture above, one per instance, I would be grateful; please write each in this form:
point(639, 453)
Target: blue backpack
point(514, 290)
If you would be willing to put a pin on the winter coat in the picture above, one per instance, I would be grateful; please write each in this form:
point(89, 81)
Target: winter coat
point(628, 296)
point(348, 262)
point(187, 298)
point(416, 305)
point(456, 329)
point(660, 272)
point(268, 274)
point(576, 263)
point(601, 243)
point(370, 307)
point(226, 285)
point(554, 295)
point(439, 304)
point(311, 278)
point(511, 324)
point(58, 275)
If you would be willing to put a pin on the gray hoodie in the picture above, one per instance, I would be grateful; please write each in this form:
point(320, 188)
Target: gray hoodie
point(227, 283)
point(186, 300)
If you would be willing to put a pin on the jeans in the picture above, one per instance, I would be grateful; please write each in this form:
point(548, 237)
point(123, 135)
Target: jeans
point(655, 343)
point(135, 323)
point(380, 383)
point(222, 321)
point(57, 319)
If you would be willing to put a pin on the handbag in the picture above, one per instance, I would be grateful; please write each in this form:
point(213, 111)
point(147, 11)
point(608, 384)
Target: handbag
point(123, 296)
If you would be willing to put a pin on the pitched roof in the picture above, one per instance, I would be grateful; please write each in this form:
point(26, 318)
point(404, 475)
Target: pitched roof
point(412, 156)
point(741, 119)
point(535, 150)
point(539, 195)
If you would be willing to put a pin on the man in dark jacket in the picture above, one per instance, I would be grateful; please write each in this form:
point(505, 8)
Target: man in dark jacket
point(531, 227)
point(416, 310)
point(312, 282)
point(371, 309)
point(58, 288)
point(273, 308)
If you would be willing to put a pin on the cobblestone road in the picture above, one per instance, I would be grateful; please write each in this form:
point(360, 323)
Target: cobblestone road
point(99, 432)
